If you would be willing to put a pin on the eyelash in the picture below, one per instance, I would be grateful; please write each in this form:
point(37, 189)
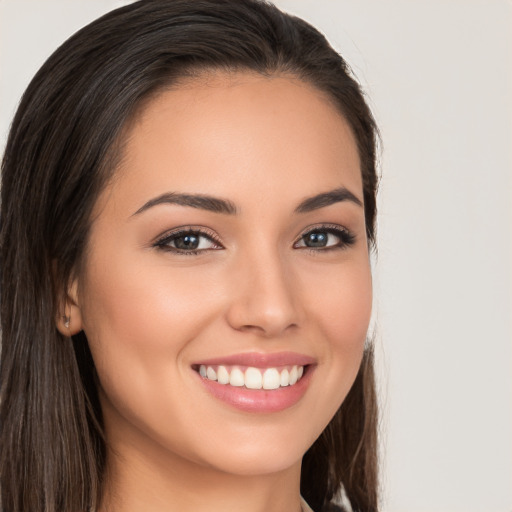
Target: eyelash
point(163, 242)
point(344, 235)
point(346, 238)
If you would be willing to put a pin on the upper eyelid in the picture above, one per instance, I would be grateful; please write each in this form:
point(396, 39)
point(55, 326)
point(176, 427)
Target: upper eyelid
point(317, 227)
point(203, 231)
point(207, 232)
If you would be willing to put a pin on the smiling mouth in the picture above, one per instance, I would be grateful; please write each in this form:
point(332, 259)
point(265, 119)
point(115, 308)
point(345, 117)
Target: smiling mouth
point(250, 377)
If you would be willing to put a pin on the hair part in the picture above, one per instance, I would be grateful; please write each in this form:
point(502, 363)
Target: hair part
point(63, 147)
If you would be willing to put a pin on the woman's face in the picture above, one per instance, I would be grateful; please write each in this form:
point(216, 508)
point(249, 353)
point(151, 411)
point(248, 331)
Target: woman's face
point(231, 242)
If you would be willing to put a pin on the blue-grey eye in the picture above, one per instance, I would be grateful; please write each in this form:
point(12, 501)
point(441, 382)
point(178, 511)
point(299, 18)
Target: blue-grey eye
point(187, 241)
point(316, 239)
point(326, 238)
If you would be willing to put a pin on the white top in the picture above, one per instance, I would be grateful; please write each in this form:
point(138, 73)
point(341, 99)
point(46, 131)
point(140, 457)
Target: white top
point(305, 506)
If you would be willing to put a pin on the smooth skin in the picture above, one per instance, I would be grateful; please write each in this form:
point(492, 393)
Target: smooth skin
point(150, 311)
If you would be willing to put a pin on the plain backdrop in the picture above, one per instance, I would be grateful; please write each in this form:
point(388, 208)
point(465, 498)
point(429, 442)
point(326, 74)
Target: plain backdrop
point(438, 74)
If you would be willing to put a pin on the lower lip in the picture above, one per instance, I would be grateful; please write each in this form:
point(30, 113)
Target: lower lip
point(259, 400)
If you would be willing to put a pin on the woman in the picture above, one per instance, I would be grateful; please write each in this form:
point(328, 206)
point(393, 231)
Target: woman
point(188, 205)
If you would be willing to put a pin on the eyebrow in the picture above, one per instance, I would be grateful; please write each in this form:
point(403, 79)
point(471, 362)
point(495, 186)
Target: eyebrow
point(218, 205)
point(203, 202)
point(337, 195)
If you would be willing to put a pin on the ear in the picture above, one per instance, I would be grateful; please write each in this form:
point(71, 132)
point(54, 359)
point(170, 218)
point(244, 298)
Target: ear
point(69, 314)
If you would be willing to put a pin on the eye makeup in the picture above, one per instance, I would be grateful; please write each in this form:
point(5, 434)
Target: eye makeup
point(193, 240)
point(189, 240)
point(323, 238)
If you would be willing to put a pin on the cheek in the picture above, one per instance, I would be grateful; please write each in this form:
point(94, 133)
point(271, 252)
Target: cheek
point(147, 308)
point(139, 319)
point(139, 330)
point(343, 308)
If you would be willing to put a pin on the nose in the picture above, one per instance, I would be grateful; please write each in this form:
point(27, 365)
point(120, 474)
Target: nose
point(263, 301)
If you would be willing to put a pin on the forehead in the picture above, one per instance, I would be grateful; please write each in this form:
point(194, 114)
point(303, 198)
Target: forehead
point(221, 131)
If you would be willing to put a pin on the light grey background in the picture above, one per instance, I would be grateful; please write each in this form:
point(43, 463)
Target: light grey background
point(439, 77)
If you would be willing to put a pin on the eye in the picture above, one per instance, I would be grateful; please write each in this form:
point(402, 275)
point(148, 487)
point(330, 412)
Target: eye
point(326, 238)
point(188, 241)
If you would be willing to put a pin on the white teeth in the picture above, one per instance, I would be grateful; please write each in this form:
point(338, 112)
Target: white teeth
point(222, 375)
point(293, 376)
point(236, 377)
point(253, 378)
point(271, 379)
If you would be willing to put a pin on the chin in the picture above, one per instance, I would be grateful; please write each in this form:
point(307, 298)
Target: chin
point(259, 456)
point(262, 463)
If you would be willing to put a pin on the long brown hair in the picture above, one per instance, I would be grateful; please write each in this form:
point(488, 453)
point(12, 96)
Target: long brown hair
point(61, 151)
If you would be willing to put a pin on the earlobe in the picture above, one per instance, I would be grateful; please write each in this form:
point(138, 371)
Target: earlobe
point(69, 316)
point(70, 323)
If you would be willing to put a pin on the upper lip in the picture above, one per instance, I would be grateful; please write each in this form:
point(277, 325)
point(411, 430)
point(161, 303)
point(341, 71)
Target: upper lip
point(260, 360)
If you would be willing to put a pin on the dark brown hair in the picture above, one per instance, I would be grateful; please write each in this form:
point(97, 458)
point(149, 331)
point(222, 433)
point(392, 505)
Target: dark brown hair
point(61, 151)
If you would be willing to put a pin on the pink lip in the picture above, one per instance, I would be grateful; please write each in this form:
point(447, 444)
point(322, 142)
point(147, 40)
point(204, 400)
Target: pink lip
point(260, 360)
point(260, 400)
